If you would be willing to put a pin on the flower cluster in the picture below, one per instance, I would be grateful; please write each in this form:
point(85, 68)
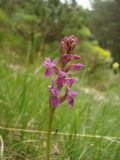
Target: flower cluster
point(68, 45)
point(116, 65)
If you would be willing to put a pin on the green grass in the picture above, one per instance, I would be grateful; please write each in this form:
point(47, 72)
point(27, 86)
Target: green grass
point(24, 104)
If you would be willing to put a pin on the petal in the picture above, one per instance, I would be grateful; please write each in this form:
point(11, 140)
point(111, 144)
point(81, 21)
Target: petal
point(75, 57)
point(61, 74)
point(48, 72)
point(76, 66)
point(74, 94)
point(54, 101)
point(70, 96)
point(55, 91)
point(60, 82)
point(47, 61)
point(70, 101)
point(55, 61)
point(54, 97)
point(69, 81)
point(73, 44)
point(65, 58)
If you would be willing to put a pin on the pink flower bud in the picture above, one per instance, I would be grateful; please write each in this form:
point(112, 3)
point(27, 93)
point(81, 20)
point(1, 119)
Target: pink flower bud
point(68, 44)
point(74, 67)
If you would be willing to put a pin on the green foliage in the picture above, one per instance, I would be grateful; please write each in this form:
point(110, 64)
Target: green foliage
point(96, 59)
point(29, 31)
point(33, 29)
point(105, 25)
point(40, 22)
point(2, 16)
point(24, 104)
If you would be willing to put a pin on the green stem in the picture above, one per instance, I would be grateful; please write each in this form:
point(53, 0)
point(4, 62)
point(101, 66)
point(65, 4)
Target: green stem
point(51, 115)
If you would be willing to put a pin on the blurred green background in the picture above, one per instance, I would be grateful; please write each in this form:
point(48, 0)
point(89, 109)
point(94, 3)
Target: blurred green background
point(31, 30)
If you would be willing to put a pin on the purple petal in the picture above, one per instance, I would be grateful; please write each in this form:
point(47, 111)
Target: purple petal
point(48, 72)
point(54, 101)
point(74, 94)
point(75, 57)
point(55, 91)
point(70, 81)
point(47, 62)
point(65, 59)
point(61, 73)
point(71, 101)
point(60, 79)
point(55, 61)
point(76, 66)
point(54, 97)
point(70, 96)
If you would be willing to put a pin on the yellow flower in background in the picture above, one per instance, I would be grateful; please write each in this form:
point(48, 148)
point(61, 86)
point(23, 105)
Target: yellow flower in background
point(115, 65)
point(105, 53)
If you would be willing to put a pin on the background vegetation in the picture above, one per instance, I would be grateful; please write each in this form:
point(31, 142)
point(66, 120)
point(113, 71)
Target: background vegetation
point(30, 30)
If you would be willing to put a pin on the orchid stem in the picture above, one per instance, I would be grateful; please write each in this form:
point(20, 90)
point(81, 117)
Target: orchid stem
point(51, 115)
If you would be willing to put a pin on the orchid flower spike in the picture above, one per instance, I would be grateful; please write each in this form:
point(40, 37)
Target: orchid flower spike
point(62, 78)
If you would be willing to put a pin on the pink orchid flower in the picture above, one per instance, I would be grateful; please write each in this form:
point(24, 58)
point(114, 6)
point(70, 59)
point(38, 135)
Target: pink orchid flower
point(50, 66)
point(70, 96)
point(54, 100)
point(62, 79)
point(68, 57)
